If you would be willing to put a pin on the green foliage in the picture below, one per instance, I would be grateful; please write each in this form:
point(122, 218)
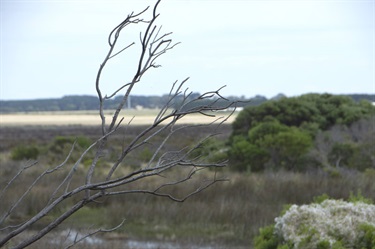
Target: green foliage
point(61, 145)
point(270, 128)
point(62, 140)
point(359, 198)
point(324, 244)
point(352, 155)
point(271, 143)
point(246, 156)
point(338, 245)
point(282, 134)
point(333, 172)
point(341, 154)
point(367, 241)
point(266, 238)
point(320, 198)
point(25, 152)
point(145, 155)
point(81, 141)
point(363, 156)
point(287, 148)
point(310, 111)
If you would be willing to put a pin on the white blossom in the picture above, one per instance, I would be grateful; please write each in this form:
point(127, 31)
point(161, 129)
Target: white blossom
point(329, 220)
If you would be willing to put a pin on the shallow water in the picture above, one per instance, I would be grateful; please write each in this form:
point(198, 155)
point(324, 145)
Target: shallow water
point(69, 236)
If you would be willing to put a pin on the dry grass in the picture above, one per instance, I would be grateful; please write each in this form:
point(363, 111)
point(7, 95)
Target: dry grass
point(228, 214)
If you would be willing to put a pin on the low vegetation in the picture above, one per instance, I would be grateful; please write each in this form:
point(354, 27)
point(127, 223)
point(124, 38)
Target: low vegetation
point(229, 214)
point(325, 224)
point(25, 152)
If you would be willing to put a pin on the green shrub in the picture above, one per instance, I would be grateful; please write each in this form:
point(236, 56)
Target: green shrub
point(266, 238)
point(320, 198)
point(273, 145)
point(62, 144)
point(82, 141)
point(359, 198)
point(246, 156)
point(333, 172)
point(324, 244)
point(367, 240)
point(341, 154)
point(62, 140)
point(25, 152)
point(146, 155)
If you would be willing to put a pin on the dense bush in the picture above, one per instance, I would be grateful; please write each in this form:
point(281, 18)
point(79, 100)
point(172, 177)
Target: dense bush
point(311, 111)
point(304, 132)
point(82, 141)
point(25, 152)
point(328, 224)
point(271, 145)
point(60, 147)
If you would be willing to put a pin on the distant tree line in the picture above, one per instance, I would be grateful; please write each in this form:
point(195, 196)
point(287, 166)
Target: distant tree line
point(86, 102)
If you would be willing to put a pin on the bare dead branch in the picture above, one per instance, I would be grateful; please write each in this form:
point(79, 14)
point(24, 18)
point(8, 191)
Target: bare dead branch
point(101, 230)
point(168, 195)
point(119, 52)
point(115, 92)
point(180, 104)
point(98, 154)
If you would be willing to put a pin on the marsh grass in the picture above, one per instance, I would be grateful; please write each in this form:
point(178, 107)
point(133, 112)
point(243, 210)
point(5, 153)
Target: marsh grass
point(229, 213)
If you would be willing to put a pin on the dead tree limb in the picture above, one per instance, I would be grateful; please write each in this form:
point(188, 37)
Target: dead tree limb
point(166, 123)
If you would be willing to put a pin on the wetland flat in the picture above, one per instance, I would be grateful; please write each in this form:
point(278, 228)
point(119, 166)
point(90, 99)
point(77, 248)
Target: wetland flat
point(133, 117)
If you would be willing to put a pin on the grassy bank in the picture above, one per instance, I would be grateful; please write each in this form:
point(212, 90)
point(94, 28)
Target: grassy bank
point(229, 213)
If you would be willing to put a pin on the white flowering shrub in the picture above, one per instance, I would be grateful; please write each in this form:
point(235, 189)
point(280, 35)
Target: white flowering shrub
point(330, 224)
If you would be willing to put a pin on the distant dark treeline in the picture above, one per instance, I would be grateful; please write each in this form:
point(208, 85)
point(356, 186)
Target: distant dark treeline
point(85, 102)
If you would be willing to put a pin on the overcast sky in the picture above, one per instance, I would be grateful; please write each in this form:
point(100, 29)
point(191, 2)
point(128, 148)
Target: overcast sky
point(54, 48)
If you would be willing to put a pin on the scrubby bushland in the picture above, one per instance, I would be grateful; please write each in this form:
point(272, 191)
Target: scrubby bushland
point(304, 132)
point(327, 224)
point(229, 215)
point(344, 146)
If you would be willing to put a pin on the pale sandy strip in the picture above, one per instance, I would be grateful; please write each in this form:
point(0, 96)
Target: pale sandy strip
point(42, 119)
